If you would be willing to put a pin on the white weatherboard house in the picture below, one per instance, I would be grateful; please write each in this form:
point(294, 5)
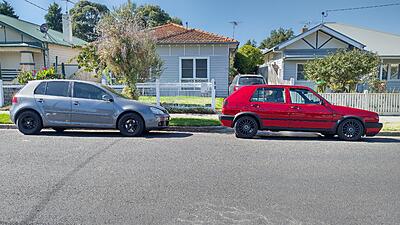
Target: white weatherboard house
point(285, 62)
point(192, 55)
point(24, 46)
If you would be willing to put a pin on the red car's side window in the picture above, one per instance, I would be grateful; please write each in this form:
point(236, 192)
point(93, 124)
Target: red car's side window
point(303, 96)
point(269, 95)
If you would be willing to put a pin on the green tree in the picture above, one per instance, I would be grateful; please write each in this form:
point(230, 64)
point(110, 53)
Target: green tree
point(127, 50)
point(153, 15)
point(343, 70)
point(7, 9)
point(251, 42)
point(85, 15)
point(54, 17)
point(247, 59)
point(276, 37)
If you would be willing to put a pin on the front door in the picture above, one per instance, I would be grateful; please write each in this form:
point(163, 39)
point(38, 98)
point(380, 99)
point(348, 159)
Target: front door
point(271, 107)
point(308, 112)
point(54, 100)
point(91, 106)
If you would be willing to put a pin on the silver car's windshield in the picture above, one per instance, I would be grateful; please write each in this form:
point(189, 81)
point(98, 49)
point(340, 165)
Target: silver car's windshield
point(114, 91)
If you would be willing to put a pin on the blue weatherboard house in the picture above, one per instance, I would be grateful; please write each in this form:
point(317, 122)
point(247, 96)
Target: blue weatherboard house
point(285, 62)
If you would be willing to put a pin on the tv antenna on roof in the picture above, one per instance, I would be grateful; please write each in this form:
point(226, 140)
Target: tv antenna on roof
point(234, 25)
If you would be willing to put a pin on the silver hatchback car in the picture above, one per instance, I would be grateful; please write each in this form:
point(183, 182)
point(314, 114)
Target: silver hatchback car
point(62, 104)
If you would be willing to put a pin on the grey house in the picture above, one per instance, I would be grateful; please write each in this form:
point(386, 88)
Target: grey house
point(192, 55)
point(285, 62)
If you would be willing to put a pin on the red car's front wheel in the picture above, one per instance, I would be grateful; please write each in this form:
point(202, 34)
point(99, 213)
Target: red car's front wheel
point(351, 130)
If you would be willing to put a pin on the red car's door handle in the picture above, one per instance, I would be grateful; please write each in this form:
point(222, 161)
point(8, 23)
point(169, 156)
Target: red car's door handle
point(255, 105)
point(295, 107)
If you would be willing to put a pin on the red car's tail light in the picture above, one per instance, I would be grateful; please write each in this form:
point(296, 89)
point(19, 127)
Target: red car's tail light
point(14, 100)
point(235, 88)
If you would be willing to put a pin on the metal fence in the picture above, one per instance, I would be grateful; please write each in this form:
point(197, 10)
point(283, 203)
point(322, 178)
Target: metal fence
point(382, 103)
point(181, 95)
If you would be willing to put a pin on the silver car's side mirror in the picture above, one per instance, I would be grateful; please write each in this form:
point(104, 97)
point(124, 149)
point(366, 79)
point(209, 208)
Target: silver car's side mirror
point(107, 98)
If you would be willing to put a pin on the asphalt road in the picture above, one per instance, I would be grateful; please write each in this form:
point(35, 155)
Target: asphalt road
point(201, 178)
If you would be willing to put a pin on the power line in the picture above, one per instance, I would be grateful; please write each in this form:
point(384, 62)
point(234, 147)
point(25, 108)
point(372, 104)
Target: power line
point(325, 13)
point(38, 6)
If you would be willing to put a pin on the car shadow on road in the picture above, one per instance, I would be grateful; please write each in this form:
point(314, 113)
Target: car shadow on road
point(317, 137)
point(116, 134)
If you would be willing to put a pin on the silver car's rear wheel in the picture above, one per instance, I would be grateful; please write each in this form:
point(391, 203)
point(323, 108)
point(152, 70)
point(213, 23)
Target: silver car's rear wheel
point(131, 125)
point(29, 122)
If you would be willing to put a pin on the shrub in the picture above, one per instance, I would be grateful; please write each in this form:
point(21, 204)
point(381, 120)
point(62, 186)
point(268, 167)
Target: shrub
point(43, 74)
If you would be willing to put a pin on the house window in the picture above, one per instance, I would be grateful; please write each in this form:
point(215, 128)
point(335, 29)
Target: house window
point(394, 71)
point(187, 68)
point(385, 71)
point(194, 68)
point(300, 72)
point(201, 68)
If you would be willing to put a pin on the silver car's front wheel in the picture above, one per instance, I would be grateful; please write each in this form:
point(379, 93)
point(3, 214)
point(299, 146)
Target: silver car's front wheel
point(131, 124)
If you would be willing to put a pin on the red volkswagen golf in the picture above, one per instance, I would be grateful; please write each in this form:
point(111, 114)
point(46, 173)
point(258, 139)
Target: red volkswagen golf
point(294, 108)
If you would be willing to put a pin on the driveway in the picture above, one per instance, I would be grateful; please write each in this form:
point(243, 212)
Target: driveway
point(200, 178)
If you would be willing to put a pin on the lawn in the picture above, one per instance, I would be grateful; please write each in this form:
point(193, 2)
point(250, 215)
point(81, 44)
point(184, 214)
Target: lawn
point(183, 100)
point(5, 119)
point(196, 122)
point(391, 126)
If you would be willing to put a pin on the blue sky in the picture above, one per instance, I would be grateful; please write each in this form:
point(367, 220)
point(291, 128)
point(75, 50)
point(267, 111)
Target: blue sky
point(257, 17)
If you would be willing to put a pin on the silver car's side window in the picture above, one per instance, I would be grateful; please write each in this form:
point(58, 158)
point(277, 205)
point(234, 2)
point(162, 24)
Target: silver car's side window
point(88, 91)
point(40, 89)
point(58, 88)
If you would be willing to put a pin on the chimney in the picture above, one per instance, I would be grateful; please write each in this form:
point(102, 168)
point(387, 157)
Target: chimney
point(67, 28)
point(304, 29)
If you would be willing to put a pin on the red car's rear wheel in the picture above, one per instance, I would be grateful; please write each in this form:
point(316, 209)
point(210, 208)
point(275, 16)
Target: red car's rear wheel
point(246, 127)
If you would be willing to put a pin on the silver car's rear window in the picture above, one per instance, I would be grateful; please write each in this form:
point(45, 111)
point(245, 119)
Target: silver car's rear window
point(251, 80)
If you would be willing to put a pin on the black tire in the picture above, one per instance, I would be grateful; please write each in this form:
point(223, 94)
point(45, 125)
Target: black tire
point(131, 125)
point(58, 129)
point(29, 123)
point(350, 130)
point(245, 127)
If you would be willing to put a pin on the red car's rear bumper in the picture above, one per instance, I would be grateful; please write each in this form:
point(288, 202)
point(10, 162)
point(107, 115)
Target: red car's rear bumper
point(372, 129)
point(226, 120)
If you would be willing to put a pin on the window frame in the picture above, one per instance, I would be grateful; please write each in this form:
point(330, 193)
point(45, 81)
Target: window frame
point(263, 102)
point(73, 91)
point(297, 72)
point(194, 58)
point(37, 87)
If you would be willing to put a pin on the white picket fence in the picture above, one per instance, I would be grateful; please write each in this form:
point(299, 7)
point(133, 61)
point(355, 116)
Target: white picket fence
point(382, 103)
point(158, 89)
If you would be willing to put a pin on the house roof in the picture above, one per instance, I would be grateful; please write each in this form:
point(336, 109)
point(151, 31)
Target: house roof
point(385, 44)
point(176, 34)
point(31, 29)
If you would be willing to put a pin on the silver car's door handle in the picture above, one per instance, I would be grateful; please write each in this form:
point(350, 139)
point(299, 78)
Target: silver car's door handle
point(40, 100)
point(76, 103)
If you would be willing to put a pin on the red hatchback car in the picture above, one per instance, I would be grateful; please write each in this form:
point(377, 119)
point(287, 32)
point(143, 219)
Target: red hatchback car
point(294, 108)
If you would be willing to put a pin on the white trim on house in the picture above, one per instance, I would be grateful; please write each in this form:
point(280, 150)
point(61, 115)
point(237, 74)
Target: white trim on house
point(323, 28)
point(194, 68)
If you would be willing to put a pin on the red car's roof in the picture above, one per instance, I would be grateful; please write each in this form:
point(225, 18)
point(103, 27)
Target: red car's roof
point(278, 86)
